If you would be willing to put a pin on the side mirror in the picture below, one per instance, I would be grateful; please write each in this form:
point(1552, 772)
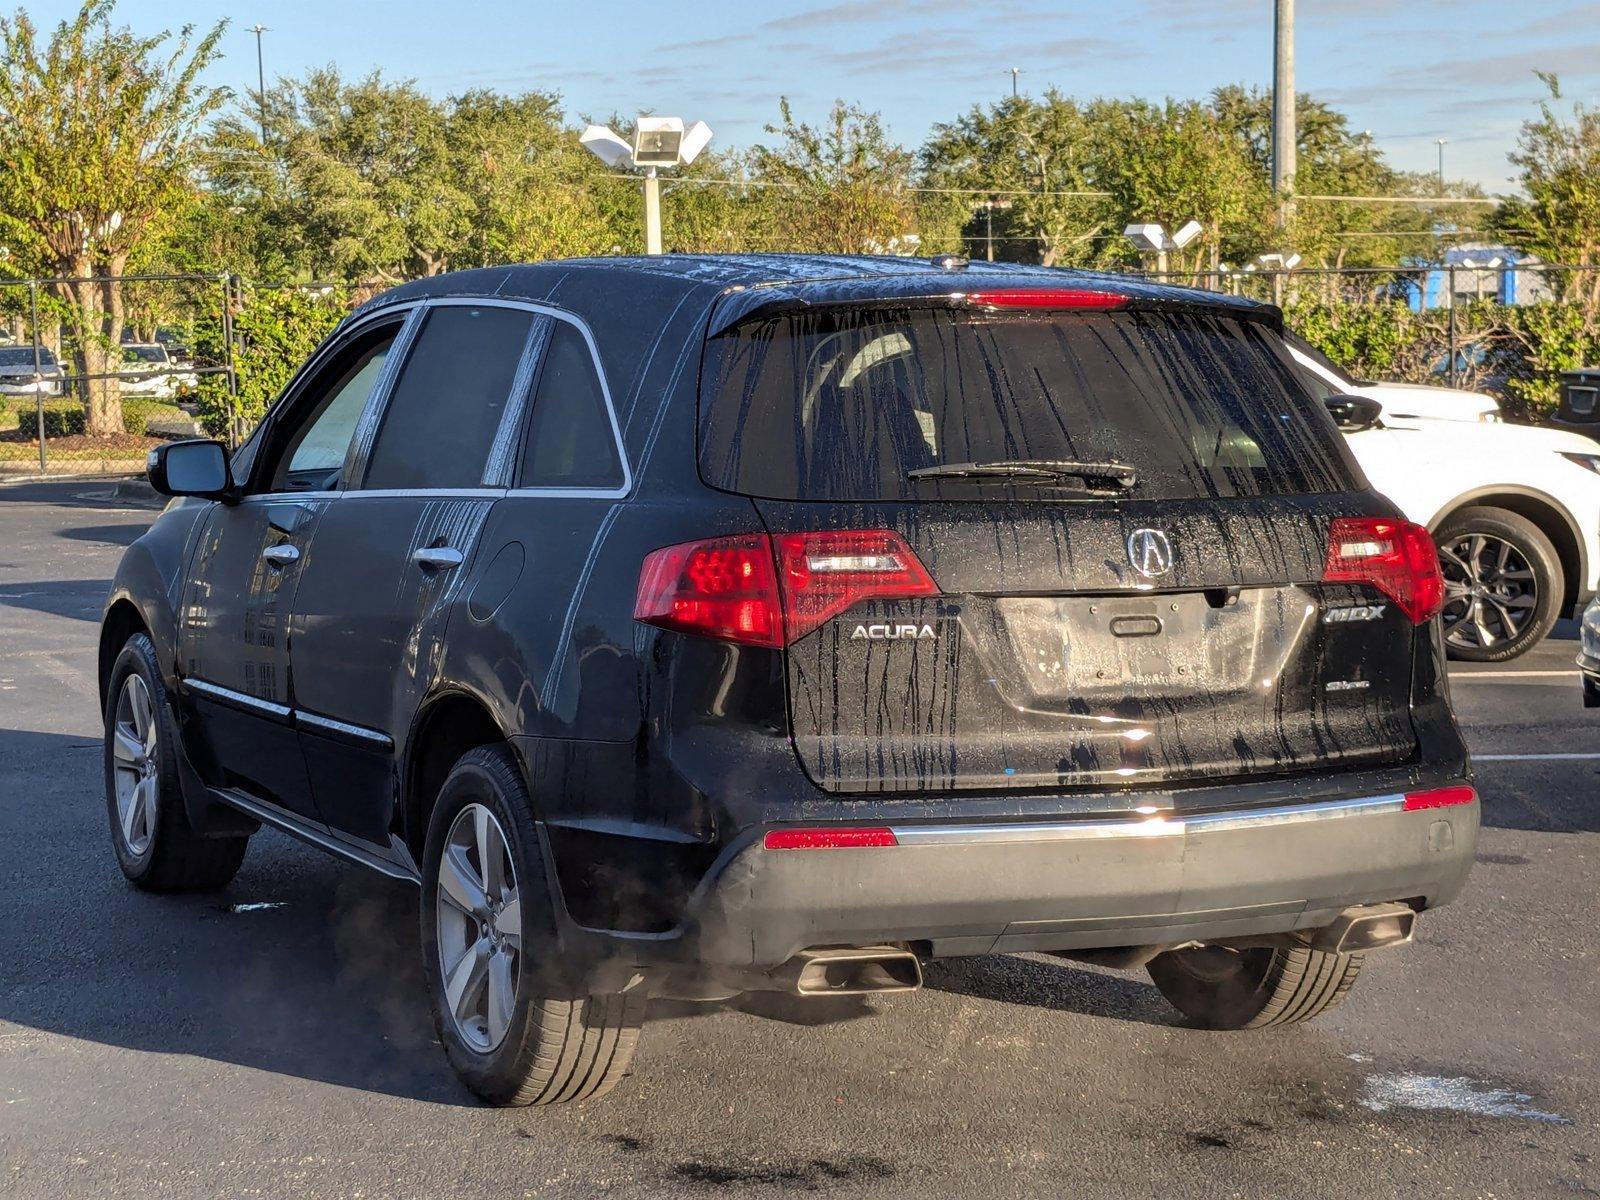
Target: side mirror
point(196, 467)
point(1353, 413)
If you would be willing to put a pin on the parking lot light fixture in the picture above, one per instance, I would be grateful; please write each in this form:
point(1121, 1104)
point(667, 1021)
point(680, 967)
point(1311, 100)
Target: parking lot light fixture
point(658, 142)
point(1151, 237)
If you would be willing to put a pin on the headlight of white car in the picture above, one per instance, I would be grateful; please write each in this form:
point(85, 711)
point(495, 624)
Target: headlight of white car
point(1590, 631)
point(1591, 461)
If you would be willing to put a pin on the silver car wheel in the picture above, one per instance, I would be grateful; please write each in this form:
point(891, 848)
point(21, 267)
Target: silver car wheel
point(479, 921)
point(1490, 590)
point(136, 775)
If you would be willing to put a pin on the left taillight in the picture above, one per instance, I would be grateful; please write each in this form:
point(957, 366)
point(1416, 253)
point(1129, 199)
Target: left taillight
point(1397, 557)
point(762, 590)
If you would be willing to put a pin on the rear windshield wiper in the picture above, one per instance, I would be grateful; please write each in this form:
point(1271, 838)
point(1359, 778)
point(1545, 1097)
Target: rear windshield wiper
point(1117, 476)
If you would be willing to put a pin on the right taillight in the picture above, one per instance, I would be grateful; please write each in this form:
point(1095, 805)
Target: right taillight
point(771, 590)
point(1395, 556)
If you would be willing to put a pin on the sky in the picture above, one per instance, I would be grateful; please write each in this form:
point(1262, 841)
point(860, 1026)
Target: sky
point(1410, 71)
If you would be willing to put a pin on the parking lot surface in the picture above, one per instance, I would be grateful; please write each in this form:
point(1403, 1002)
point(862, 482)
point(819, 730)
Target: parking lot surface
point(274, 1039)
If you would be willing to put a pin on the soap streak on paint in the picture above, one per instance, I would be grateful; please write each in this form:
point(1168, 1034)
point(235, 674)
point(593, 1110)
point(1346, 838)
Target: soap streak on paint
point(1436, 1093)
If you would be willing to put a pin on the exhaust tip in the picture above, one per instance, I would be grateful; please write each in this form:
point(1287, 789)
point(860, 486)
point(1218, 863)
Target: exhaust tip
point(1367, 927)
point(852, 971)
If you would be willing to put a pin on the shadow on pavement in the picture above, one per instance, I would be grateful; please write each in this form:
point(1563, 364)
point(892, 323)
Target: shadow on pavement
point(111, 535)
point(1056, 985)
point(77, 599)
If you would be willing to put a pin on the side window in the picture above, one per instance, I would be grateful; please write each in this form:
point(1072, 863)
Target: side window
point(569, 443)
point(311, 445)
point(449, 400)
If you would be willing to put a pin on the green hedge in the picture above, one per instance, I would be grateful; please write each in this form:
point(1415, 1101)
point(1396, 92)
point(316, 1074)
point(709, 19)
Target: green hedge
point(58, 421)
point(64, 417)
point(1514, 353)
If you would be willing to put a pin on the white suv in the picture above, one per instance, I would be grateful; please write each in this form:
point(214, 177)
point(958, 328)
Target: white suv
point(1515, 510)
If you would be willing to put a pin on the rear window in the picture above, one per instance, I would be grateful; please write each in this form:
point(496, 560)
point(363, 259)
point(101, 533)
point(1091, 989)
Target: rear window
point(844, 404)
point(22, 356)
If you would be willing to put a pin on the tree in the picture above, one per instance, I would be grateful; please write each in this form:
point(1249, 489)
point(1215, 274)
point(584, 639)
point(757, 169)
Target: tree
point(1033, 160)
point(1558, 158)
point(839, 188)
point(98, 132)
point(371, 180)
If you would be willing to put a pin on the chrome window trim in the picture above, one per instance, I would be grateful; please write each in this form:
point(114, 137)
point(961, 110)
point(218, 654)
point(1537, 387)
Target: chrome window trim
point(412, 313)
point(481, 493)
point(1150, 825)
point(238, 699)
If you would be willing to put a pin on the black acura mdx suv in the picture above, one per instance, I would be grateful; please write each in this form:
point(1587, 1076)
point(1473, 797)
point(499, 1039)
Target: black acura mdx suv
point(690, 626)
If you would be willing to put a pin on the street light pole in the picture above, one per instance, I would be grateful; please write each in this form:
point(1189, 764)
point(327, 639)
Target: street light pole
point(261, 78)
point(1284, 135)
point(652, 212)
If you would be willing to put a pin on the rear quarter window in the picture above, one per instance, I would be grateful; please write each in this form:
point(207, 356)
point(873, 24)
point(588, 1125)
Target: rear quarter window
point(833, 404)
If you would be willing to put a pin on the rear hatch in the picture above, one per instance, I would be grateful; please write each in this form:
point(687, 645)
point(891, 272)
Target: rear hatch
point(1124, 513)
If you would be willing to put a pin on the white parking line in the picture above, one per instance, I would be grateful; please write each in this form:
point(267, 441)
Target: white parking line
point(1514, 674)
point(1534, 757)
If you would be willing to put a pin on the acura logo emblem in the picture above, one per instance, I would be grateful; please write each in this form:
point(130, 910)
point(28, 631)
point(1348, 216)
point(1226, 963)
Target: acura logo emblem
point(1149, 552)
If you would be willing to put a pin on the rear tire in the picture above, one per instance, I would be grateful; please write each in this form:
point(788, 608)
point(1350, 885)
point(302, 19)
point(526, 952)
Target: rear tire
point(516, 1035)
point(155, 845)
point(1503, 584)
point(1218, 988)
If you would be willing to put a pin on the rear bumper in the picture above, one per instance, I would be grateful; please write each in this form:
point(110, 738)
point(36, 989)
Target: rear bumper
point(994, 888)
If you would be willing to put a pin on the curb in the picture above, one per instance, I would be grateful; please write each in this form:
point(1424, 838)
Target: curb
point(138, 491)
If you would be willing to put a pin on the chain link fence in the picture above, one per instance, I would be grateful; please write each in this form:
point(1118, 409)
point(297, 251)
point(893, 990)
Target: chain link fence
point(96, 370)
point(184, 355)
point(1503, 327)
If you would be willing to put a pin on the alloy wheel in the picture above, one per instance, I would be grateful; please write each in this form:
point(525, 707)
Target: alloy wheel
point(479, 922)
point(136, 774)
point(1490, 590)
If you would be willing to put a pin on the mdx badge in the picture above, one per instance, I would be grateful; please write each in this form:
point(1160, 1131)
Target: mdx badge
point(891, 633)
point(1355, 612)
point(1149, 552)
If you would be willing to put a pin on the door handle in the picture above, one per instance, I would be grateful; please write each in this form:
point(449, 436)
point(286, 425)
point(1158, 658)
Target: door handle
point(281, 555)
point(438, 558)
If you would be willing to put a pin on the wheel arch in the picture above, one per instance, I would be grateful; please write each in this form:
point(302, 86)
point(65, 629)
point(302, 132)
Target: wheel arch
point(122, 620)
point(447, 725)
point(1551, 517)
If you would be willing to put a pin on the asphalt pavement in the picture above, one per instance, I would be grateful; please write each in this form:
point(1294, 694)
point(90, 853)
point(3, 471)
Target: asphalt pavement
point(274, 1039)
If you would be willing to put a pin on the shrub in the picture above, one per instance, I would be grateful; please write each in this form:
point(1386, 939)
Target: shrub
point(1515, 353)
point(59, 421)
point(276, 329)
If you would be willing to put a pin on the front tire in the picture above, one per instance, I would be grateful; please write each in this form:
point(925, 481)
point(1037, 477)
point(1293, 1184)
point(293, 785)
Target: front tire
point(1503, 584)
point(155, 845)
point(512, 1029)
point(1219, 988)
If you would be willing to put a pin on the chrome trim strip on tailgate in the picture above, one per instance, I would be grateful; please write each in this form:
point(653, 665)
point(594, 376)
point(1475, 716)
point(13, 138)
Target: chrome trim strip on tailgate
point(1151, 825)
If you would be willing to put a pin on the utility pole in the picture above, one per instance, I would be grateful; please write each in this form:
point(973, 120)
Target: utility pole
point(1284, 134)
point(261, 78)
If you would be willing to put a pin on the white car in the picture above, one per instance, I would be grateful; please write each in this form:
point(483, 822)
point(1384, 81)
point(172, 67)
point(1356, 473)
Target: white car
point(1404, 404)
point(1515, 510)
point(148, 372)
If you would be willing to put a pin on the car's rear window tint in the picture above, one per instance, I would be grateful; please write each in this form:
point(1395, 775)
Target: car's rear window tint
point(841, 404)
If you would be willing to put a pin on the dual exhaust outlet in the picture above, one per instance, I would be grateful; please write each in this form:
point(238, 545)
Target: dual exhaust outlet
point(862, 970)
